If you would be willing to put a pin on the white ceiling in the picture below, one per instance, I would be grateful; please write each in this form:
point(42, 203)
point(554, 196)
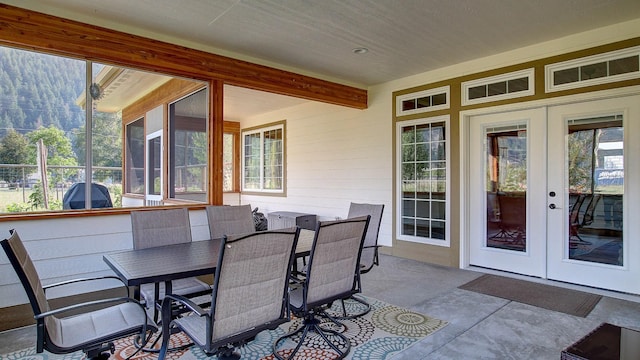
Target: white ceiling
point(404, 37)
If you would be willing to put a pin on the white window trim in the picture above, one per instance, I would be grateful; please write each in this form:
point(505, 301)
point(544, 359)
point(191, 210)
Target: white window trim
point(528, 73)
point(419, 94)
point(399, 125)
point(550, 69)
point(261, 131)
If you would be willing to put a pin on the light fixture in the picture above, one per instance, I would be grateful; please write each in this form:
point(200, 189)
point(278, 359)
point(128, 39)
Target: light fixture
point(360, 50)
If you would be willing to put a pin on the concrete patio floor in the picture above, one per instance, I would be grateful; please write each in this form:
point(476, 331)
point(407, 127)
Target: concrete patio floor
point(480, 326)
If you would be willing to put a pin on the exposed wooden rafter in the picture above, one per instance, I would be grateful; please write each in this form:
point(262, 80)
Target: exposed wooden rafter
point(37, 31)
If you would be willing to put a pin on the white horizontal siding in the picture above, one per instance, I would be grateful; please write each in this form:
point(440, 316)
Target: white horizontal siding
point(335, 156)
point(64, 249)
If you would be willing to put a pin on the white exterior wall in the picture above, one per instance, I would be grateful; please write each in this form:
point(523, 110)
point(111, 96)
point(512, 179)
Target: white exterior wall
point(64, 249)
point(335, 155)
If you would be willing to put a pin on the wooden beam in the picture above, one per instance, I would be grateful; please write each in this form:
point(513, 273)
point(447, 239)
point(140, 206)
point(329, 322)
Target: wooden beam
point(37, 31)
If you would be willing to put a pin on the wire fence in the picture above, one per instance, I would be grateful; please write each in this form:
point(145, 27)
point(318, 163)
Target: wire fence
point(19, 183)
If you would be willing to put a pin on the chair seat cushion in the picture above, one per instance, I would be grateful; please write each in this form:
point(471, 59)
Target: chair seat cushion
point(76, 330)
point(184, 287)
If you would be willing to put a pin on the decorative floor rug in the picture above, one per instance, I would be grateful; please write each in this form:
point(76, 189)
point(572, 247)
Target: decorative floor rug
point(382, 333)
point(572, 302)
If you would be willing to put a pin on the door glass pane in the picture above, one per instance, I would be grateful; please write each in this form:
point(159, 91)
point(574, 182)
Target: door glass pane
point(506, 187)
point(596, 187)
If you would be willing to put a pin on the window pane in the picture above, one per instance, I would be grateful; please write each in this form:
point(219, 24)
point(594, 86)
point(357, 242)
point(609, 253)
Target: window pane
point(516, 85)
point(439, 99)
point(273, 159)
point(423, 228)
point(408, 226)
point(625, 65)
point(252, 161)
point(227, 162)
point(423, 209)
point(566, 76)
point(423, 102)
point(135, 157)
point(153, 164)
point(477, 92)
point(408, 105)
point(188, 147)
point(593, 71)
point(497, 88)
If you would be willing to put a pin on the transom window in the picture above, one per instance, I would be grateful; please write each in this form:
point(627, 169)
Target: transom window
point(504, 86)
point(423, 172)
point(593, 70)
point(263, 152)
point(423, 101)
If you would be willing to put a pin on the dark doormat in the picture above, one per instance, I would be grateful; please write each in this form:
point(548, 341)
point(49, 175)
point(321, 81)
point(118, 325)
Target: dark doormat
point(572, 302)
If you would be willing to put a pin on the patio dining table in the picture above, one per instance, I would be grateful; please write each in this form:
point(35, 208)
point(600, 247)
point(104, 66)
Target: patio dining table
point(172, 262)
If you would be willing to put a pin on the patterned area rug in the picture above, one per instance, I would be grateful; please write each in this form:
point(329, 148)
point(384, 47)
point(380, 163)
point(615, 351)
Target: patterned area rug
point(385, 331)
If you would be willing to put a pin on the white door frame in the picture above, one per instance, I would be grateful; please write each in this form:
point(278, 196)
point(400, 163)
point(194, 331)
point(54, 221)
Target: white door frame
point(465, 116)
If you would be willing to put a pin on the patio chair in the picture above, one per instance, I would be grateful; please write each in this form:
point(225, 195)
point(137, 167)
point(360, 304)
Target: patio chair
point(513, 219)
point(227, 220)
point(249, 294)
point(92, 332)
point(332, 274)
point(152, 228)
point(369, 255)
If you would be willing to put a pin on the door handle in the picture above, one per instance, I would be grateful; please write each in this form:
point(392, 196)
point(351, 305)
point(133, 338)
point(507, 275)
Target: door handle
point(553, 206)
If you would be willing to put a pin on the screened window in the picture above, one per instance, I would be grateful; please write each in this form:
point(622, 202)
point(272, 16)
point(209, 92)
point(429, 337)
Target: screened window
point(263, 159)
point(188, 147)
point(94, 121)
point(423, 175)
point(135, 157)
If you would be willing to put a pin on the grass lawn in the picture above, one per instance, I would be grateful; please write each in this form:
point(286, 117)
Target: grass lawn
point(20, 195)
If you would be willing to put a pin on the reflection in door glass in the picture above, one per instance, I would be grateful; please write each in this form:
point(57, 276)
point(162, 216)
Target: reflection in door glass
point(506, 187)
point(596, 183)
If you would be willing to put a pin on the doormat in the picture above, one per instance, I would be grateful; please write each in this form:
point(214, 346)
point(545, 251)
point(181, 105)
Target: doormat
point(381, 334)
point(572, 302)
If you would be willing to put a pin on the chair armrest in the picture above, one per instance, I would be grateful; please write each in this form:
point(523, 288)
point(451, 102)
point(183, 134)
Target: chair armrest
point(168, 300)
point(87, 304)
point(73, 281)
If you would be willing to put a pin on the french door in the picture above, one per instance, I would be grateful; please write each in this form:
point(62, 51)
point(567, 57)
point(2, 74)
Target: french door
point(507, 167)
point(553, 191)
point(594, 194)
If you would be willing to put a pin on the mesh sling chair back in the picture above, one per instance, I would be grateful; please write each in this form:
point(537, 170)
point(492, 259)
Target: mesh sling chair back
point(369, 255)
point(226, 220)
point(89, 330)
point(249, 294)
point(332, 274)
point(152, 228)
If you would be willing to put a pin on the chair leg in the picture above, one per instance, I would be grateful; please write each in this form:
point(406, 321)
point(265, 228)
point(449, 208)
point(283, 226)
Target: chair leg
point(366, 307)
point(311, 323)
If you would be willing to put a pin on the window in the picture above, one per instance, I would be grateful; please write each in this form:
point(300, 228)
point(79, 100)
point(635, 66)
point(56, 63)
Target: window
point(423, 175)
point(188, 148)
point(423, 101)
point(504, 86)
point(231, 157)
point(134, 164)
point(263, 159)
point(55, 99)
point(593, 70)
